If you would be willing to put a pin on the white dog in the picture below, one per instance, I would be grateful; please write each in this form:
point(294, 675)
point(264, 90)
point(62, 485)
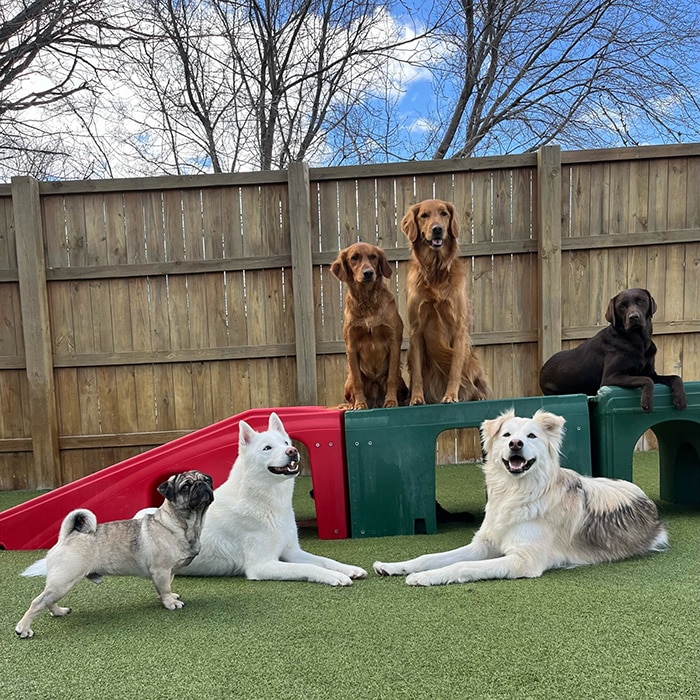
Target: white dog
point(538, 515)
point(252, 531)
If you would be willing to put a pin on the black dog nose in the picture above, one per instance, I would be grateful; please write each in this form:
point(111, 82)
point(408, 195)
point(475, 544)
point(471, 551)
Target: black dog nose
point(634, 316)
point(437, 231)
point(368, 274)
point(515, 445)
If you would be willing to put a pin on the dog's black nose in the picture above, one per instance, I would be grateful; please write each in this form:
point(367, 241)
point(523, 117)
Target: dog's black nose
point(437, 231)
point(515, 445)
point(368, 274)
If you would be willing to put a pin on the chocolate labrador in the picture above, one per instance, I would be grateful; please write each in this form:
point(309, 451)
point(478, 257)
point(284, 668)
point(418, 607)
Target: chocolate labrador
point(622, 354)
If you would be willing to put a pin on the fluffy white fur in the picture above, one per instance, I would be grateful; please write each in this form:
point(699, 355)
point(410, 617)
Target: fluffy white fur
point(250, 528)
point(538, 515)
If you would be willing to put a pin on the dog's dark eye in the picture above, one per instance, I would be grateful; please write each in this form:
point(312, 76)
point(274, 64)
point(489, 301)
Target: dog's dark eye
point(532, 436)
point(506, 434)
point(267, 447)
point(354, 257)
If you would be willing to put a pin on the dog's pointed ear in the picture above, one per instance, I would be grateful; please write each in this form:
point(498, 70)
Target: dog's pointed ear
point(453, 229)
point(245, 434)
point(275, 423)
point(652, 304)
point(384, 263)
point(409, 225)
point(610, 313)
point(491, 428)
point(339, 268)
point(167, 489)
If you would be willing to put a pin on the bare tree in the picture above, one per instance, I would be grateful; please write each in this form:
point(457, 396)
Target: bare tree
point(518, 74)
point(48, 54)
point(227, 85)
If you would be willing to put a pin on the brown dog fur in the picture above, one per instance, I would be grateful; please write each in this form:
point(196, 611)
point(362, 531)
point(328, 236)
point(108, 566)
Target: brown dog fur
point(372, 329)
point(441, 364)
point(621, 354)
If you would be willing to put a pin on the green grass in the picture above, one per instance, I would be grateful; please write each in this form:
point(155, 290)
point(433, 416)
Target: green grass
point(624, 630)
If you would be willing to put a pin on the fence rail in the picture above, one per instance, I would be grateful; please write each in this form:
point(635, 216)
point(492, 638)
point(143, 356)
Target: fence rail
point(134, 311)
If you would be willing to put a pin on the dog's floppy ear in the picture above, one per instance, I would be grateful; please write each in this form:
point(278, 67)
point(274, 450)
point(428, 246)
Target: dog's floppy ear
point(339, 267)
point(409, 225)
point(383, 263)
point(491, 428)
point(652, 304)
point(167, 489)
point(453, 229)
point(552, 424)
point(610, 313)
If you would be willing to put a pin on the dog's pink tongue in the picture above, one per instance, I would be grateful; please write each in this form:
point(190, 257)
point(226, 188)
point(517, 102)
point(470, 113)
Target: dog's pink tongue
point(516, 463)
point(436, 242)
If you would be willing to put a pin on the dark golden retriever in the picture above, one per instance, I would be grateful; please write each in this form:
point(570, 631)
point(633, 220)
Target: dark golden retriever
point(622, 354)
point(441, 364)
point(372, 329)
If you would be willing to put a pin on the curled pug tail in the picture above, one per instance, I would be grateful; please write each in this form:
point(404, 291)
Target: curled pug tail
point(80, 520)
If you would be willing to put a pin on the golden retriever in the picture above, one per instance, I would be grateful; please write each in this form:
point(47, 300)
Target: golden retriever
point(372, 329)
point(540, 516)
point(441, 364)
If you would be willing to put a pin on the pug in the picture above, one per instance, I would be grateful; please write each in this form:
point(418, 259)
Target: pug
point(154, 546)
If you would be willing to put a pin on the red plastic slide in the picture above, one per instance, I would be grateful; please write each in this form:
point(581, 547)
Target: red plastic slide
point(117, 492)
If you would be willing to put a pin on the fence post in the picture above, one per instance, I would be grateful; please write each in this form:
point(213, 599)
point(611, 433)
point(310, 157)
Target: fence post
point(302, 282)
point(31, 266)
point(549, 249)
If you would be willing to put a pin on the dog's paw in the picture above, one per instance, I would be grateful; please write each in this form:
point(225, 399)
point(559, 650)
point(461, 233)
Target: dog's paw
point(450, 398)
point(335, 578)
point(58, 611)
point(172, 602)
point(391, 403)
point(680, 402)
point(388, 569)
point(417, 400)
point(422, 578)
point(26, 633)
point(356, 572)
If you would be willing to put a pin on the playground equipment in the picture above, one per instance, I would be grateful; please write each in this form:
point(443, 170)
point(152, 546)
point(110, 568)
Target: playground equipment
point(390, 451)
point(117, 492)
point(372, 471)
point(617, 423)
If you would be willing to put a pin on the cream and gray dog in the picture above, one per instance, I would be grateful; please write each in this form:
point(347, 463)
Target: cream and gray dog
point(154, 546)
point(538, 515)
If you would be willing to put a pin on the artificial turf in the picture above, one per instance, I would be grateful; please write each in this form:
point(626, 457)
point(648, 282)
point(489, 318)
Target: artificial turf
point(623, 630)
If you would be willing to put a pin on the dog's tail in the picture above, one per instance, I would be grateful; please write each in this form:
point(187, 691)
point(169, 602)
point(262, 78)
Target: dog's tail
point(38, 568)
point(80, 520)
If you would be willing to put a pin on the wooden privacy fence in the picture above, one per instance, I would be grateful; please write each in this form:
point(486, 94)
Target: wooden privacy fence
point(134, 311)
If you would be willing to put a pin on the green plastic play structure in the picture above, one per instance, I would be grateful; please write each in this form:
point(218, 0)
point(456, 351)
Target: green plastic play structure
point(390, 456)
point(390, 453)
